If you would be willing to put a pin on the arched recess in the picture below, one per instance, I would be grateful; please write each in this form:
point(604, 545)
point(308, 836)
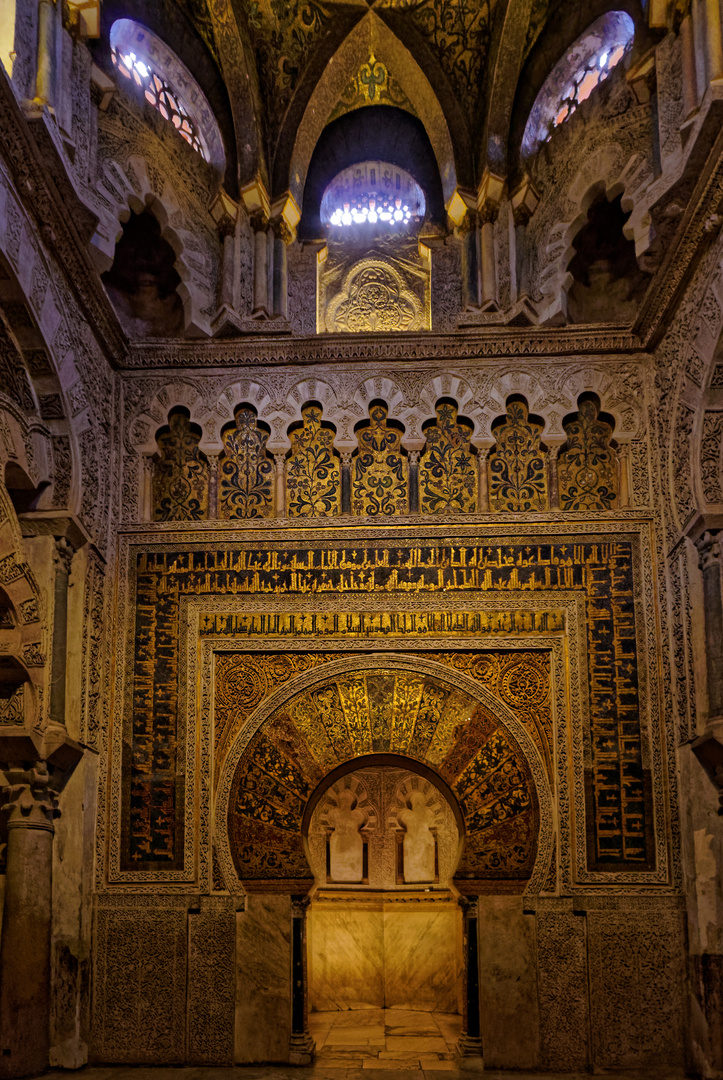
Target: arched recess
point(141, 191)
point(407, 706)
point(36, 435)
point(299, 136)
point(605, 172)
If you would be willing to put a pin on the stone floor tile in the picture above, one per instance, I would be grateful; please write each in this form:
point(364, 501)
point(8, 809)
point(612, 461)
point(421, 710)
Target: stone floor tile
point(437, 1065)
point(421, 1043)
point(397, 1063)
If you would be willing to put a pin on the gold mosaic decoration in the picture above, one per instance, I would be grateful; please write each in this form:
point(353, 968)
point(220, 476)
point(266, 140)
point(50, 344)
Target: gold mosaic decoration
point(180, 473)
point(587, 464)
point(313, 477)
point(448, 478)
point(246, 472)
point(380, 469)
point(377, 711)
point(375, 298)
point(372, 85)
point(517, 469)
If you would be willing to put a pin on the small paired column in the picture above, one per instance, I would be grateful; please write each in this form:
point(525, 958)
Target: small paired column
point(469, 1044)
point(282, 237)
point(280, 463)
point(262, 303)
point(413, 481)
point(488, 258)
point(346, 483)
point(45, 71)
point(302, 1046)
point(31, 805)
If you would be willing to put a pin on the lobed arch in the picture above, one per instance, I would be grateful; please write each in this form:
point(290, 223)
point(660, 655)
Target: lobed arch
point(302, 129)
point(37, 434)
point(606, 172)
point(141, 193)
point(273, 716)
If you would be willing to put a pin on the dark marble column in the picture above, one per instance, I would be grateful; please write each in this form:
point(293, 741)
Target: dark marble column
point(302, 1046)
point(469, 1045)
point(709, 552)
point(413, 481)
point(31, 806)
point(346, 467)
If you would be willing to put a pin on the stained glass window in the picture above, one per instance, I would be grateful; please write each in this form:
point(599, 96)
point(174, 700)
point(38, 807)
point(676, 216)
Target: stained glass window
point(372, 193)
point(587, 64)
point(166, 84)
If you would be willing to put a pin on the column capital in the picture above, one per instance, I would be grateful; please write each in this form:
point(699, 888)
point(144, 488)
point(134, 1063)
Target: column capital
point(30, 802)
point(709, 549)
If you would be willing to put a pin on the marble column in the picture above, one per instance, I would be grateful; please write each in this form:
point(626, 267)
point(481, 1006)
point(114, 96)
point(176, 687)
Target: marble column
point(488, 258)
point(552, 477)
point(31, 806)
point(521, 217)
point(259, 224)
point(62, 560)
point(302, 1046)
point(46, 53)
point(690, 82)
point(414, 481)
point(227, 234)
point(280, 462)
point(213, 498)
point(469, 1044)
point(624, 462)
point(345, 483)
point(713, 39)
point(282, 238)
point(468, 233)
point(709, 554)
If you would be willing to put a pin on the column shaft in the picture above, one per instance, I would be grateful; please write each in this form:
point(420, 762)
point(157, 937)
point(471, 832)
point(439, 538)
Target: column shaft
point(46, 53)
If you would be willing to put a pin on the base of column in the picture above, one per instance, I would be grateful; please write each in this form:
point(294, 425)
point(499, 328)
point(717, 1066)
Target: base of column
point(468, 1054)
point(302, 1049)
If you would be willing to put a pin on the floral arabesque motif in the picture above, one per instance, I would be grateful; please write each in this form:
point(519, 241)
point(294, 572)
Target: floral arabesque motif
point(180, 473)
point(379, 469)
point(448, 478)
point(587, 466)
point(517, 473)
point(246, 475)
point(374, 299)
point(313, 478)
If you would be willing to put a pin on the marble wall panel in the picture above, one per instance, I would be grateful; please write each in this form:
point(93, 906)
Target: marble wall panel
point(263, 980)
point(508, 984)
point(211, 982)
point(346, 957)
point(423, 959)
point(563, 990)
point(637, 985)
point(140, 980)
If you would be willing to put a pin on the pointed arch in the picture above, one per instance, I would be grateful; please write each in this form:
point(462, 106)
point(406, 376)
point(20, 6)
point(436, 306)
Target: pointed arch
point(299, 136)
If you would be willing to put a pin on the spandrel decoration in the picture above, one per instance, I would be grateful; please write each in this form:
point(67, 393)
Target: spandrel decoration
point(587, 465)
point(517, 468)
point(246, 472)
point(180, 473)
point(448, 478)
point(313, 477)
point(380, 468)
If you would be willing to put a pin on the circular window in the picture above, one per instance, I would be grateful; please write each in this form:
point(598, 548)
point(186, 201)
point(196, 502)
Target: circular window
point(167, 85)
point(372, 193)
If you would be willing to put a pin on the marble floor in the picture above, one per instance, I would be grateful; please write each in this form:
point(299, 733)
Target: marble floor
point(388, 1039)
